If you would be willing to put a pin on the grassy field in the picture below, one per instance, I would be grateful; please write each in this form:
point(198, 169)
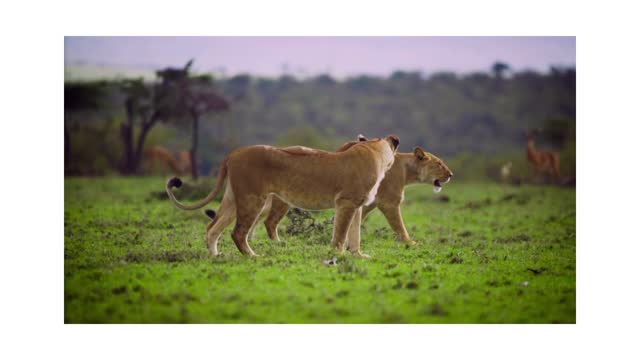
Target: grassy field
point(490, 254)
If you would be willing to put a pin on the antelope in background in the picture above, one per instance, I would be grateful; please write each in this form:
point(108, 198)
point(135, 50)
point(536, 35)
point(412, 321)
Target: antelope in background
point(178, 166)
point(541, 161)
point(505, 172)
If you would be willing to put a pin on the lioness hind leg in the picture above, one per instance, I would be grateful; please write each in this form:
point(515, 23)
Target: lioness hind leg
point(278, 210)
point(225, 216)
point(247, 213)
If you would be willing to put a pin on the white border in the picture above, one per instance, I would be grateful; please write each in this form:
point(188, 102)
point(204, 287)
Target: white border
point(32, 267)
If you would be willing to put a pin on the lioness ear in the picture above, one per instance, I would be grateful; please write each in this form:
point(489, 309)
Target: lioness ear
point(362, 138)
point(394, 141)
point(419, 153)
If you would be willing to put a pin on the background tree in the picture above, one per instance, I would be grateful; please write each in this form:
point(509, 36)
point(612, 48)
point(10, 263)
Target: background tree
point(138, 104)
point(184, 96)
point(204, 100)
point(463, 118)
point(80, 98)
point(499, 69)
point(176, 95)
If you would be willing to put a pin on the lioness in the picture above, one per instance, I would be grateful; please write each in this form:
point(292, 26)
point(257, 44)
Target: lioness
point(407, 169)
point(301, 177)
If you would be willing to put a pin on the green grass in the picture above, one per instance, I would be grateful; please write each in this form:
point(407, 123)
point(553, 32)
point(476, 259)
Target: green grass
point(491, 254)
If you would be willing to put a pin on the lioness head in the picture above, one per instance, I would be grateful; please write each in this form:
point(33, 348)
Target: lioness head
point(431, 169)
point(428, 167)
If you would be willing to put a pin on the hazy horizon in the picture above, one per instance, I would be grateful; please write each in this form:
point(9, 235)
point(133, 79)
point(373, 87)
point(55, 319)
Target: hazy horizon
point(309, 56)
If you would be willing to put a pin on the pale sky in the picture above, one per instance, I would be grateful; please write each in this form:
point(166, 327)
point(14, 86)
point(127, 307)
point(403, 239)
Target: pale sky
point(338, 56)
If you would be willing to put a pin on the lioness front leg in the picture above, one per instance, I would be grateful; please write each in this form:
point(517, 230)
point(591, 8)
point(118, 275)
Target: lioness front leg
point(394, 218)
point(353, 239)
point(343, 219)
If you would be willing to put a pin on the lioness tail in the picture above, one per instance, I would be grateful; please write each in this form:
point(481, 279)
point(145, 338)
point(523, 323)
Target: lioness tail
point(210, 213)
point(175, 182)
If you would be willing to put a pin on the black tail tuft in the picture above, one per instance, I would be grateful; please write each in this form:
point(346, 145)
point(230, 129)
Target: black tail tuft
point(210, 213)
point(175, 182)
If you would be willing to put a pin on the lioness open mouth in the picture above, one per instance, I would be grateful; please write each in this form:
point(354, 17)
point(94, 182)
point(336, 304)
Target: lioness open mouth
point(436, 186)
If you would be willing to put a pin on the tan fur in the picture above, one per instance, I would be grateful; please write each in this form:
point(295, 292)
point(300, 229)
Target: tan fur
point(302, 177)
point(542, 161)
point(505, 172)
point(178, 166)
point(408, 168)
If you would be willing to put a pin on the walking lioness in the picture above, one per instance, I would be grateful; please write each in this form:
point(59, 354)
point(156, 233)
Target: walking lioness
point(301, 177)
point(407, 169)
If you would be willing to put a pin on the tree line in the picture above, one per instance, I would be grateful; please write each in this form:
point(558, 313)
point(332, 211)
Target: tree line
point(480, 114)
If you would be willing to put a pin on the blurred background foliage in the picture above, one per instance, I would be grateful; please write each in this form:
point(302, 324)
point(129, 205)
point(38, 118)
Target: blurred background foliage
point(475, 122)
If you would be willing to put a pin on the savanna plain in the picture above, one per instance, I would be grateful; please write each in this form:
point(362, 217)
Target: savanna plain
point(485, 253)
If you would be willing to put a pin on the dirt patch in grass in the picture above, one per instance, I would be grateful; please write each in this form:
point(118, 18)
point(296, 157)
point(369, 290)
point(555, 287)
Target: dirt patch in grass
point(165, 256)
point(520, 199)
point(346, 265)
point(412, 285)
point(513, 239)
point(435, 310)
point(119, 290)
point(382, 232)
point(537, 271)
point(477, 204)
point(456, 259)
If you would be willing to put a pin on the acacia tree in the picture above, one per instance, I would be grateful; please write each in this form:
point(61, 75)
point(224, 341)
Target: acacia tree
point(80, 97)
point(174, 95)
point(139, 104)
point(203, 99)
point(499, 69)
point(187, 97)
